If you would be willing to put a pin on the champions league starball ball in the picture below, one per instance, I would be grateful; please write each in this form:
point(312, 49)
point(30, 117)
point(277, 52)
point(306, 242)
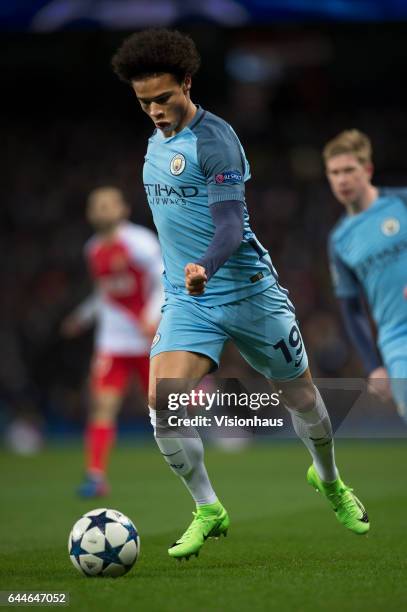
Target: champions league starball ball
point(104, 542)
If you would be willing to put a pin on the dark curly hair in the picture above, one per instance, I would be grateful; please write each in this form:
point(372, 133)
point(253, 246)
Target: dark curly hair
point(156, 51)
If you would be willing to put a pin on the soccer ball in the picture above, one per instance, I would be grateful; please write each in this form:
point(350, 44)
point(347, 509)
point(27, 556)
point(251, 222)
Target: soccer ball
point(104, 543)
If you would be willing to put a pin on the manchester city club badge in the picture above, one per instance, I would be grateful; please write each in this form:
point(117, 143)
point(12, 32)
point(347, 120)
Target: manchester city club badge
point(177, 165)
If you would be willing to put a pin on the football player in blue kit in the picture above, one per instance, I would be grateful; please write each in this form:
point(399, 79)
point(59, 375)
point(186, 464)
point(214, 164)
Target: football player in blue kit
point(368, 257)
point(219, 280)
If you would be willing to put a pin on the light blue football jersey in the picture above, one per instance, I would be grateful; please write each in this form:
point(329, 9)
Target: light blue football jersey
point(183, 176)
point(368, 251)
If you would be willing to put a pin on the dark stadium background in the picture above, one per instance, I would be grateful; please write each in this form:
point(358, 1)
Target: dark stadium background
point(68, 125)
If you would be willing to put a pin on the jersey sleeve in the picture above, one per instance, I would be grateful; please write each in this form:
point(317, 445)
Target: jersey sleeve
point(228, 218)
point(222, 162)
point(344, 281)
point(359, 331)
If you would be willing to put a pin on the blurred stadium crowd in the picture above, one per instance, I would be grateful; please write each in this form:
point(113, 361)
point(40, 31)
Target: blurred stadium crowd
point(70, 127)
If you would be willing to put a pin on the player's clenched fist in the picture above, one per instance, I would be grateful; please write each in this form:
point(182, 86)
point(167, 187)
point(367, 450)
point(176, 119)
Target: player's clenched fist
point(195, 279)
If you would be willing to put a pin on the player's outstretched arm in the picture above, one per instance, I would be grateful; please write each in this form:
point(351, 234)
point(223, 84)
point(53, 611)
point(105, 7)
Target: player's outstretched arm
point(228, 218)
point(357, 324)
point(82, 318)
point(359, 331)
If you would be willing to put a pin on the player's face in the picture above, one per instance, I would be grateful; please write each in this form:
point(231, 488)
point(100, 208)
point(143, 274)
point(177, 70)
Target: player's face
point(349, 179)
point(106, 209)
point(165, 101)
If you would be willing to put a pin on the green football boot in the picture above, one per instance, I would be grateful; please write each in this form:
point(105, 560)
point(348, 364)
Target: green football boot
point(348, 508)
point(210, 521)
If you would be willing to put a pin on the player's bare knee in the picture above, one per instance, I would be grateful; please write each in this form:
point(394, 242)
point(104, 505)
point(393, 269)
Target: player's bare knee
point(152, 398)
point(105, 406)
point(157, 399)
point(160, 393)
point(102, 416)
point(299, 394)
point(163, 390)
point(168, 390)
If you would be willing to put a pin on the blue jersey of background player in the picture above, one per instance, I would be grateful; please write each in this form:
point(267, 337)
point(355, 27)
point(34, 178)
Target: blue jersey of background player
point(368, 256)
point(219, 281)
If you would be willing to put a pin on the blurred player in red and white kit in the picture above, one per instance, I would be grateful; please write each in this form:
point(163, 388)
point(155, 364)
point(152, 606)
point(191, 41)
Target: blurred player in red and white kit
point(125, 264)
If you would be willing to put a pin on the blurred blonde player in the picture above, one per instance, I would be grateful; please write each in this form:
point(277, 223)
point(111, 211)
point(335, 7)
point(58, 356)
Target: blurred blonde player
point(368, 256)
point(124, 261)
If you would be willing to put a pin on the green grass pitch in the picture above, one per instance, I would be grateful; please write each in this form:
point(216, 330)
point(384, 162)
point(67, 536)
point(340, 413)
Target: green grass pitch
point(285, 549)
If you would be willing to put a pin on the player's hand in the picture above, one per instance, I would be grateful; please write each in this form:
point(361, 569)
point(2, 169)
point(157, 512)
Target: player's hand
point(195, 279)
point(71, 327)
point(379, 384)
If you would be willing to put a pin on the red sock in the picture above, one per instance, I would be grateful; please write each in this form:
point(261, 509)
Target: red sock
point(99, 439)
